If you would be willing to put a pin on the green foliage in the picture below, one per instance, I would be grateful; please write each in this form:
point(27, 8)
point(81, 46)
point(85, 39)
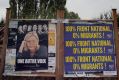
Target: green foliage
point(70, 15)
point(106, 15)
point(44, 9)
point(13, 7)
point(28, 10)
point(48, 8)
point(60, 4)
point(23, 8)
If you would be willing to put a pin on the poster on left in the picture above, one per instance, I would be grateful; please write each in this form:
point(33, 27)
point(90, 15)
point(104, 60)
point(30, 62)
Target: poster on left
point(31, 47)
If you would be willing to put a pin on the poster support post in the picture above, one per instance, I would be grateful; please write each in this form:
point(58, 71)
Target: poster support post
point(59, 46)
point(5, 40)
point(116, 39)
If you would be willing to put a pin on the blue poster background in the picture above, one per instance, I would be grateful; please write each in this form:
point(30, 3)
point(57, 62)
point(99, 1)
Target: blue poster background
point(68, 50)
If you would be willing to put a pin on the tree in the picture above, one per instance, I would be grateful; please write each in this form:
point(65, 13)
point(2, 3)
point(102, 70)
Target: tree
point(13, 6)
point(70, 15)
point(23, 8)
point(44, 9)
point(108, 15)
point(49, 7)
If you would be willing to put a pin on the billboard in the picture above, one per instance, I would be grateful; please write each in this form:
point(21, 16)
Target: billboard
point(89, 49)
point(31, 47)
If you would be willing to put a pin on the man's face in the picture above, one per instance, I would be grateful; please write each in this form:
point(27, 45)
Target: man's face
point(40, 28)
point(20, 28)
point(32, 43)
point(24, 27)
point(34, 28)
point(29, 28)
point(45, 27)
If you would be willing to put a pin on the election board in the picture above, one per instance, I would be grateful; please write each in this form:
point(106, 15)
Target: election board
point(31, 47)
point(89, 49)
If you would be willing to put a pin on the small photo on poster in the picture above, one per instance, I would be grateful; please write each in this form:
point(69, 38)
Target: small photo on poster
point(32, 46)
point(12, 38)
point(12, 34)
point(10, 61)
